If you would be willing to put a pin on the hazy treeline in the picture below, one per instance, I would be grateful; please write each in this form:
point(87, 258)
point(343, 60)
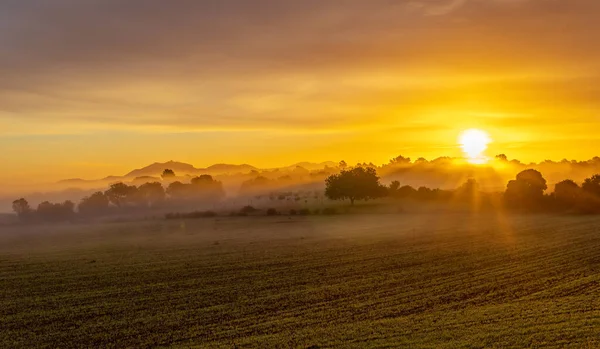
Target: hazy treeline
point(244, 181)
point(123, 198)
point(444, 172)
point(527, 191)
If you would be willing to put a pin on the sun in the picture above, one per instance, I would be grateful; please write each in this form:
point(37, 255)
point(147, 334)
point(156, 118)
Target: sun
point(474, 143)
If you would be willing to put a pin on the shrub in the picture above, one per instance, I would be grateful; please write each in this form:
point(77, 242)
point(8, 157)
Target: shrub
point(293, 212)
point(317, 212)
point(272, 212)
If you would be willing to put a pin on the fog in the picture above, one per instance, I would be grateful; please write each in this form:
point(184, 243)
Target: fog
point(245, 183)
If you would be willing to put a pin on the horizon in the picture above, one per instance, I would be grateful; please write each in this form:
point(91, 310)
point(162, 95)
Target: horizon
point(464, 159)
point(461, 159)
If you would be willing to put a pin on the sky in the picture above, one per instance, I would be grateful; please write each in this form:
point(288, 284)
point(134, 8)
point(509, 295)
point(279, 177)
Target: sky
point(90, 88)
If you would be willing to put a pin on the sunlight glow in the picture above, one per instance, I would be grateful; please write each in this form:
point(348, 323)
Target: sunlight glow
point(474, 143)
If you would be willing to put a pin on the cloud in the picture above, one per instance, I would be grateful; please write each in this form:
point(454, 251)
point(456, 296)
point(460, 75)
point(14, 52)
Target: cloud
point(272, 63)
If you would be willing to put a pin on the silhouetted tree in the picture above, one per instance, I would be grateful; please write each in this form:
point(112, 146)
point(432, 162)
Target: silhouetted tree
point(394, 187)
point(407, 191)
point(400, 160)
point(120, 194)
point(468, 190)
point(22, 209)
point(343, 165)
point(356, 184)
point(592, 185)
point(526, 191)
point(94, 205)
point(424, 193)
point(49, 212)
point(502, 157)
point(567, 193)
point(152, 194)
point(168, 173)
point(206, 187)
point(202, 188)
point(177, 190)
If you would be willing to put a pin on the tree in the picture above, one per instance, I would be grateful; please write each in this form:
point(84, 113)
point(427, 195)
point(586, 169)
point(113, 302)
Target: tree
point(343, 165)
point(394, 187)
point(22, 209)
point(95, 204)
point(424, 193)
point(469, 189)
point(400, 160)
point(592, 185)
point(567, 192)
point(527, 190)
point(502, 157)
point(151, 194)
point(406, 192)
point(168, 173)
point(177, 190)
point(120, 194)
point(207, 188)
point(49, 212)
point(356, 184)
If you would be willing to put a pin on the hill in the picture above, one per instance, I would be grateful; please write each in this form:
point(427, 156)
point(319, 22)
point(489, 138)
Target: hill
point(218, 169)
point(157, 168)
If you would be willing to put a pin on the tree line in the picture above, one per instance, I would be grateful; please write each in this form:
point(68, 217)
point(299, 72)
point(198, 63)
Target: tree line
point(527, 192)
point(120, 197)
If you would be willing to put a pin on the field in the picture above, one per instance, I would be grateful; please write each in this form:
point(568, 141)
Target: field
point(421, 280)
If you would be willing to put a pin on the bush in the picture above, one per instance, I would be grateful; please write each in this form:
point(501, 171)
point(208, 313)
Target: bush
point(272, 212)
point(304, 212)
point(317, 212)
point(329, 211)
point(293, 212)
point(248, 209)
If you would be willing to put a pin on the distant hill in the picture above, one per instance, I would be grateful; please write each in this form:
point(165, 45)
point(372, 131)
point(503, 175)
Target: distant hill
point(226, 168)
point(73, 181)
point(181, 168)
point(312, 166)
point(154, 171)
point(157, 168)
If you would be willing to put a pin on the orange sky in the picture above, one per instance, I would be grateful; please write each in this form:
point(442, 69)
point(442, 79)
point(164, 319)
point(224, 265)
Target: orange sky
point(103, 86)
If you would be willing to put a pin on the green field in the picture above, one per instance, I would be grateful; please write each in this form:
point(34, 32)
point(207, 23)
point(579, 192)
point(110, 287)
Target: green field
point(375, 280)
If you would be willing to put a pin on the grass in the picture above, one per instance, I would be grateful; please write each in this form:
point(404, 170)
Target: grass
point(385, 280)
